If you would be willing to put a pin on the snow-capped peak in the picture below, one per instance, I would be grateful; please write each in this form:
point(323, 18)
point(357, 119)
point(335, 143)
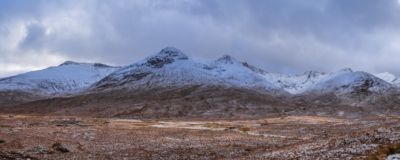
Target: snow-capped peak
point(346, 70)
point(66, 63)
point(386, 76)
point(337, 73)
point(96, 65)
point(353, 83)
point(167, 55)
point(389, 77)
point(172, 52)
point(226, 57)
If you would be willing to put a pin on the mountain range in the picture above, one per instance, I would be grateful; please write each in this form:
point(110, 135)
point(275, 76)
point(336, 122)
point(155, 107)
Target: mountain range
point(170, 84)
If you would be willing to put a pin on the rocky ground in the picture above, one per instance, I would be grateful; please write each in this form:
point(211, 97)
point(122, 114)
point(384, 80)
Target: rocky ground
point(290, 137)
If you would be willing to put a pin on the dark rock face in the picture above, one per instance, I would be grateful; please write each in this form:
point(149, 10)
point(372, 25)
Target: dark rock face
point(62, 149)
point(97, 65)
point(69, 63)
point(172, 52)
point(227, 59)
point(311, 74)
point(208, 67)
point(166, 56)
point(156, 62)
point(136, 76)
point(6, 79)
point(254, 69)
point(100, 65)
point(127, 78)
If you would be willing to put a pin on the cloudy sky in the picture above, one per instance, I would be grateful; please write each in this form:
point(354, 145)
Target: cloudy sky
point(291, 36)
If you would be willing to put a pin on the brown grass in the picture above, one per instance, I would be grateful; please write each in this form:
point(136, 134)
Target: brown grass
point(289, 138)
point(244, 129)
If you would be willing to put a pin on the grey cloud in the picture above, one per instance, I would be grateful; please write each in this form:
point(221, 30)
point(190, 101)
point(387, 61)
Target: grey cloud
point(35, 38)
point(278, 36)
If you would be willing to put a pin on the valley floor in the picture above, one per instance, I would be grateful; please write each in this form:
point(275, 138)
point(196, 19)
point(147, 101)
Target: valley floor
point(292, 137)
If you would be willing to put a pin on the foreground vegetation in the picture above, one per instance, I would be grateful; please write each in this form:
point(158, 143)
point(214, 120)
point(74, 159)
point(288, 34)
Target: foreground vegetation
point(293, 137)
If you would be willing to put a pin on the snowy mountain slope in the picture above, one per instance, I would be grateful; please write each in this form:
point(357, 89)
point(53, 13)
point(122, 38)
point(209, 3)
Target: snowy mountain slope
point(171, 68)
point(344, 82)
point(388, 77)
point(68, 78)
point(336, 73)
point(353, 85)
point(296, 83)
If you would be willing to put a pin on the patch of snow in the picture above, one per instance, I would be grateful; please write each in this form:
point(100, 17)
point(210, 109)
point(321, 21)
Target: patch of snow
point(265, 135)
point(183, 123)
point(127, 120)
point(194, 127)
point(393, 157)
point(388, 77)
point(160, 126)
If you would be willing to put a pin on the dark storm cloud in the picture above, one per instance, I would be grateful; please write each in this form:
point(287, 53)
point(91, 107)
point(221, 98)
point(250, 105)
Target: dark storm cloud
point(278, 36)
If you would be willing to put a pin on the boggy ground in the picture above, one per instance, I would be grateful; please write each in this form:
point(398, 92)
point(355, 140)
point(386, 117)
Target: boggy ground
point(291, 137)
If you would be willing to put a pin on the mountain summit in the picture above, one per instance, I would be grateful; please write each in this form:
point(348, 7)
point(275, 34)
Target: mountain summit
point(171, 68)
point(354, 86)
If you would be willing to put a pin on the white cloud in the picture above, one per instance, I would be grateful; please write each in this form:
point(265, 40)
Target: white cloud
point(12, 65)
point(278, 36)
